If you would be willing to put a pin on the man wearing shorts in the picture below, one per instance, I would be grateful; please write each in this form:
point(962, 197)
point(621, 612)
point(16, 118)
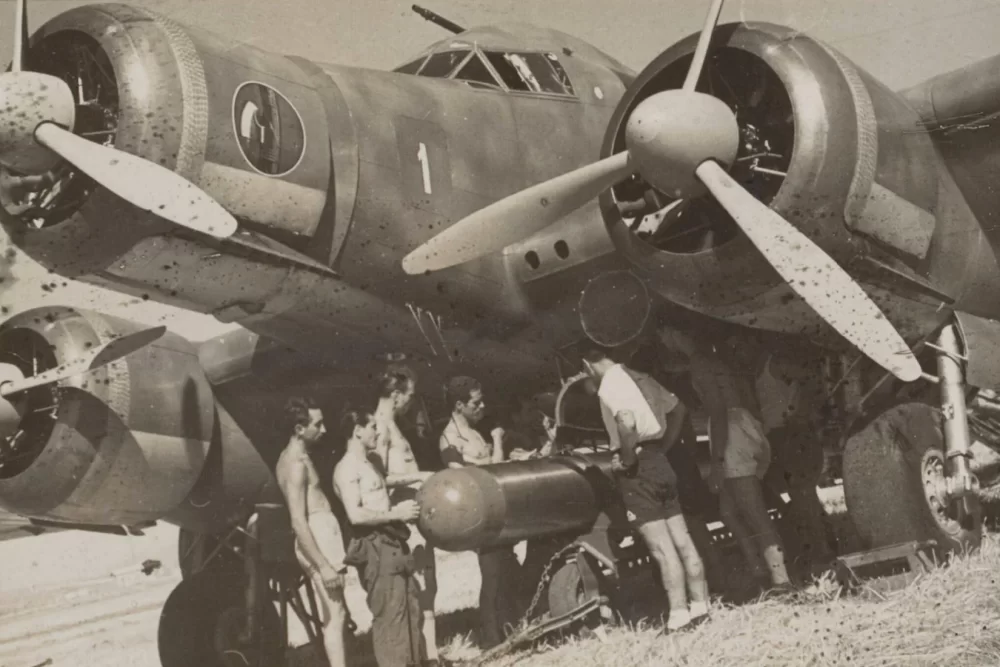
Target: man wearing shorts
point(319, 544)
point(378, 545)
point(741, 453)
point(642, 426)
point(396, 391)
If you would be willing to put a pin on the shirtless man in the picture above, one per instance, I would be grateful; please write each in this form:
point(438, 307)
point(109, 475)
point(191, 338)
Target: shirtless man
point(396, 389)
point(319, 544)
point(378, 545)
point(461, 445)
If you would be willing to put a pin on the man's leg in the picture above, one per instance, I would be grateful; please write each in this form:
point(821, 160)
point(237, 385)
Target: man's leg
point(426, 580)
point(395, 620)
point(742, 534)
point(694, 569)
point(489, 567)
point(656, 535)
point(748, 501)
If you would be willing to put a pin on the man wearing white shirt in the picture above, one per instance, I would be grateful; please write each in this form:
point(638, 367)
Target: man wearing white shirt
point(643, 420)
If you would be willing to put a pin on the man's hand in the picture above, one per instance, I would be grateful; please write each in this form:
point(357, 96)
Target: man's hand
point(333, 581)
point(407, 511)
point(497, 435)
point(715, 478)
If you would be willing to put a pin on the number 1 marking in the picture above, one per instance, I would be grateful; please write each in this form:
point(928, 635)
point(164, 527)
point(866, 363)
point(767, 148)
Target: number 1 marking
point(425, 167)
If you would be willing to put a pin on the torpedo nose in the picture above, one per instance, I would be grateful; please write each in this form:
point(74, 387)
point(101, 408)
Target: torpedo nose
point(672, 132)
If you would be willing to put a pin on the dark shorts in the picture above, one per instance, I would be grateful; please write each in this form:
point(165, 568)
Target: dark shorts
point(651, 493)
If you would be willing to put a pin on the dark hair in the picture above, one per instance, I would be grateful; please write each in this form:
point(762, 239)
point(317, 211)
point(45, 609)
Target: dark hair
point(594, 352)
point(460, 388)
point(394, 378)
point(297, 411)
point(350, 419)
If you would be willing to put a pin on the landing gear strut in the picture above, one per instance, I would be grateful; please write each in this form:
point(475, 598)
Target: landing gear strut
point(224, 617)
point(906, 473)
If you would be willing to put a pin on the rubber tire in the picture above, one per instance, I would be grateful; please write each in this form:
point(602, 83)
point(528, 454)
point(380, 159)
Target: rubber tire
point(190, 623)
point(883, 487)
point(188, 558)
point(566, 593)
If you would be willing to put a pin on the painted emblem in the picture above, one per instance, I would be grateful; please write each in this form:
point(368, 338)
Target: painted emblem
point(268, 129)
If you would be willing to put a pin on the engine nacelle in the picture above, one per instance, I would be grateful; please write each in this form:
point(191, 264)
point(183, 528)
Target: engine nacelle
point(823, 143)
point(249, 127)
point(124, 444)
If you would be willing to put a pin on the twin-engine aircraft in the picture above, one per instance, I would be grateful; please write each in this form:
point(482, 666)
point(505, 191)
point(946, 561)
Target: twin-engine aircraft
point(451, 212)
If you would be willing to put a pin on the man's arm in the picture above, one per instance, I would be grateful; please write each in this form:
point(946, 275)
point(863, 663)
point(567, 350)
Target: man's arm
point(498, 435)
point(451, 454)
point(405, 479)
point(718, 430)
point(675, 422)
point(294, 489)
point(628, 436)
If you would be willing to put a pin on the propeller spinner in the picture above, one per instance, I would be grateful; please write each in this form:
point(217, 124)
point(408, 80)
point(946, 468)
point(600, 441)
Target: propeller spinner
point(678, 141)
point(13, 382)
point(36, 119)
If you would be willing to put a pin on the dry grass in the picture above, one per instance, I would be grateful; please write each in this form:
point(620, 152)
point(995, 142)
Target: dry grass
point(948, 616)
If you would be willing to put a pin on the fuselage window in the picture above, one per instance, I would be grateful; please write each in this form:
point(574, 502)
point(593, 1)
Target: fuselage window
point(410, 68)
point(440, 65)
point(476, 73)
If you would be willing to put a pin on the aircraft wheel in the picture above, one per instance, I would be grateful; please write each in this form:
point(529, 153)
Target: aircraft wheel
point(893, 477)
point(194, 553)
point(569, 588)
point(201, 623)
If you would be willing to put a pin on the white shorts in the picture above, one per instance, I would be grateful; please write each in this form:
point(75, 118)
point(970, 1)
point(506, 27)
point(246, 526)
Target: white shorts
point(748, 453)
point(326, 532)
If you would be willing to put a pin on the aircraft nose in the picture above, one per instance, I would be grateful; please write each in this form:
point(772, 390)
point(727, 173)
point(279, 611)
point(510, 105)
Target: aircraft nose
point(671, 133)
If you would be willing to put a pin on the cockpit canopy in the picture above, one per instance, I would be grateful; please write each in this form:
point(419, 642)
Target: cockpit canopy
point(523, 71)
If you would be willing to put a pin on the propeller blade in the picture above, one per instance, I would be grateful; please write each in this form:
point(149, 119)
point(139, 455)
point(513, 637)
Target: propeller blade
point(20, 35)
point(100, 356)
point(140, 182)
point(701, 50)
point(814, 275)
point(518, 216)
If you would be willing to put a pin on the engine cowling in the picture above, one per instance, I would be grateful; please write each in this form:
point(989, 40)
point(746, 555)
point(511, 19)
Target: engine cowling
point(822, 142)
point(247, 126)
point(127, 443)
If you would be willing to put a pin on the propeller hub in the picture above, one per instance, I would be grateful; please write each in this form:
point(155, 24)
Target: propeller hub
point(672, 132)
point(11, 412)
point(27, 100)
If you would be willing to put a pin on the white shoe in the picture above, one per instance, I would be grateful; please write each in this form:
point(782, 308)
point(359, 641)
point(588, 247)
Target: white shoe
point(678, 619)
point(698, 609)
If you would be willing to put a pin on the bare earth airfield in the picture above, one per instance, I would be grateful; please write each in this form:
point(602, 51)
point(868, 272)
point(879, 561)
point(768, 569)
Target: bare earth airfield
point(85, 600)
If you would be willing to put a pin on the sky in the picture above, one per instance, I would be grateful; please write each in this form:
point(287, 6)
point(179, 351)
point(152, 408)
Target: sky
point(900, 42)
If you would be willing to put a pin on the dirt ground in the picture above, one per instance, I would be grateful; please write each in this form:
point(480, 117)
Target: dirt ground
point(82, 600)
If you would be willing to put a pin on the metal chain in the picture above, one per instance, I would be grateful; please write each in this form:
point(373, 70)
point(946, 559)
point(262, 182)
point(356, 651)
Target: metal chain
point(546, 576)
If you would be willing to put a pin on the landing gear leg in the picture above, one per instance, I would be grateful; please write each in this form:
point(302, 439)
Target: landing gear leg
point(960, 483)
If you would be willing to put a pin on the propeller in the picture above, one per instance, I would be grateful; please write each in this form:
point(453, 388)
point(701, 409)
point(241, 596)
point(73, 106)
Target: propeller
point(36, 117)
point(13, 381)
point(678, 141)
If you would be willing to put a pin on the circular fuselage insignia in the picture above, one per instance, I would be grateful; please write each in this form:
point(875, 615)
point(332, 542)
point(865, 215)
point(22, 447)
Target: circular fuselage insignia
point(268, 128)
